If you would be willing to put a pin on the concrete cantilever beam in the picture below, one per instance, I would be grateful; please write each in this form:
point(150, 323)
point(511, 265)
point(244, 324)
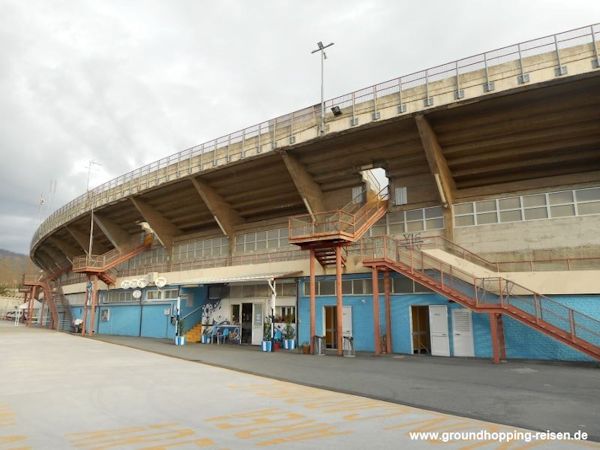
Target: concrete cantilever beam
point(437, 162)
point(118, 237)
point(309, 190)
point(65, 247)
point(226, 217)
point(162, 227)
point(81, 238)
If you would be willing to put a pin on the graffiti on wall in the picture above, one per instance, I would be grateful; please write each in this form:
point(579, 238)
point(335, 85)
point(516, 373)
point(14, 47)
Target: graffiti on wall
point(412, 240)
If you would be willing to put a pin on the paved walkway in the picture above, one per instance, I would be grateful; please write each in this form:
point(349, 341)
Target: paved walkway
point(535, 395)
point(60, 391)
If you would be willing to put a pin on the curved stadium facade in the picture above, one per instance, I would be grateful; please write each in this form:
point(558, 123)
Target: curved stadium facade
point(484, 242)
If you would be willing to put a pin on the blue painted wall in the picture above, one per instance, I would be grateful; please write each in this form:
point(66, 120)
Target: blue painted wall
point(522, 342)
point(124, 320)
point(145, 319)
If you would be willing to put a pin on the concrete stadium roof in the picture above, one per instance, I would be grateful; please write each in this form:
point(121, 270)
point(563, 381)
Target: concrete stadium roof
point(502, 123)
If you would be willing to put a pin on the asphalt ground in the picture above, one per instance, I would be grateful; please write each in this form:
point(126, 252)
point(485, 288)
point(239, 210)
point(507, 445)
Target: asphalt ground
point(531, 394)
point(60, 391)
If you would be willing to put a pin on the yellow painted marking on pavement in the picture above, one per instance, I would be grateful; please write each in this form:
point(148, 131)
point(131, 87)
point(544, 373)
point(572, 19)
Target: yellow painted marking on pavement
point(436, 423)
point(155, 437)
point(4, 440)
point(7, 416)
point(277, 424)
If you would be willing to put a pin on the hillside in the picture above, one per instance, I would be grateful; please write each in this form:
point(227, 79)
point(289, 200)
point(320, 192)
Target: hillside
point(12, 267)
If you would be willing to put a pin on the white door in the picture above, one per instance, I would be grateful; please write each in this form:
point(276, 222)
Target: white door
point(257, 323)
point(347, 321)
point(438, 330)
point(462, 332)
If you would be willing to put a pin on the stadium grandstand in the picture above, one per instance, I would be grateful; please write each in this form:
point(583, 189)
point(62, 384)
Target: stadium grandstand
point(454, 211)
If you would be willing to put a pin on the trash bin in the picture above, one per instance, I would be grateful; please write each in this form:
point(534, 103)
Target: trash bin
point(319, 345)
point(349, 347)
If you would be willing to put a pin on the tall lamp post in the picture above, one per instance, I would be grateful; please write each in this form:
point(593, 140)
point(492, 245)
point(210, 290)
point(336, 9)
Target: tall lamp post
point(323, 58)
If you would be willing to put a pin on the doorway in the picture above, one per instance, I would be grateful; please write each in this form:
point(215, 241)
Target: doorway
point(462, 332)
point(330, 327)
point(421, 341)
point(438, 327)
point(246, 323)
point(330, 324)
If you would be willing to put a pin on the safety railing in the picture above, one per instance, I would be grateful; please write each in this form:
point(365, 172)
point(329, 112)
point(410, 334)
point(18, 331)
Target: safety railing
point(416, 261)
point(106, 260)
point(440, 242)
point(507, 293)
point(191, 319)
point(237, 260)
point(436, 85)
point(550, 264)
point(485, 293)
point(347, 222)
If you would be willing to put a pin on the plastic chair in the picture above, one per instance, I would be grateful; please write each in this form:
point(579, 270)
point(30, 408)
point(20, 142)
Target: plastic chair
point(222, 335)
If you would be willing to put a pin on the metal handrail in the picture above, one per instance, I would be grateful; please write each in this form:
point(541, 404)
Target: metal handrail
point(284, 129)
point(340, 221)
point(486, 292)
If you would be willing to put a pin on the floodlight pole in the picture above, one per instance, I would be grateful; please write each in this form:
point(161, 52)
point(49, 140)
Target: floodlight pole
point(323, 58)
point(91, 243)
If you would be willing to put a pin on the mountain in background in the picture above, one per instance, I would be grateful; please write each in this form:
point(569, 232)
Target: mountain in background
point(12, 267)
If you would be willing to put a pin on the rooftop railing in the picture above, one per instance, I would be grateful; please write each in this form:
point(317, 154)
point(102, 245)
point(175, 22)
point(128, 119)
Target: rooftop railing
point(405, 94)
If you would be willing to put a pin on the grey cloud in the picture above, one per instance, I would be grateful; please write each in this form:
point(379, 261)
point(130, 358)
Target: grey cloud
point(128, 82)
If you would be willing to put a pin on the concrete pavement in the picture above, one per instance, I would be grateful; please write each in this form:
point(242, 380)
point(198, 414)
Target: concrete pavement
point(535, 395)
point(60, 391)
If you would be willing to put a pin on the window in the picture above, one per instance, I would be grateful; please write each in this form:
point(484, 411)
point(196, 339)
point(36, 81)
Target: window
point(358, 194)
point(570, 203)
point(194, 250)
point(118, 296)
point(402, 285)
point(400, 195)
point(326, 287)
point(262, 241)
point(415, 220)
point(161, 295)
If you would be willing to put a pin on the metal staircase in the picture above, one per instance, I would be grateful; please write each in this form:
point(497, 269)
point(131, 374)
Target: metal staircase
point(63, 306)
point(43, 282)
point(492, 294)
point(323, 232)
point(103, 265)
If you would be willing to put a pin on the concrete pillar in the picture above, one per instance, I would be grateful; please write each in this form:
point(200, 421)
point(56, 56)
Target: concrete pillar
point(497, 334)
point(376, 334)
point(94, 303)
point(85, 308)
point(388, 311)
point(312, 293)
point(339, 300)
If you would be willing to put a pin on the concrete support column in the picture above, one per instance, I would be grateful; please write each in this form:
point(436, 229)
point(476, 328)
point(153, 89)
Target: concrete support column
point(312, 293)
point(85, 308)
point(45, 302)
point(388, 311)
point(92, 330)
point(339, 300)
point(497, 334)
point(31, 298)
point(376, 332)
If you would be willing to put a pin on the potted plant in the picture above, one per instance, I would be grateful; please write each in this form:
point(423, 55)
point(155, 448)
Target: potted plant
point(179, 335)
point(266, 343)
point(288, 334)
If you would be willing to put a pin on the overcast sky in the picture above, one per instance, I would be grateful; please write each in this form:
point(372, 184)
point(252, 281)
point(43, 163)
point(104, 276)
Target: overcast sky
point(125, 82)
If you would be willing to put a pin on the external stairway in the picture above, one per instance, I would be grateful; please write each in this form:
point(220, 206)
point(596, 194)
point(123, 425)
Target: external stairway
point(484, 290)
point(323, 232)
point(193, 335)
point(104, 265)
point(44, 283)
